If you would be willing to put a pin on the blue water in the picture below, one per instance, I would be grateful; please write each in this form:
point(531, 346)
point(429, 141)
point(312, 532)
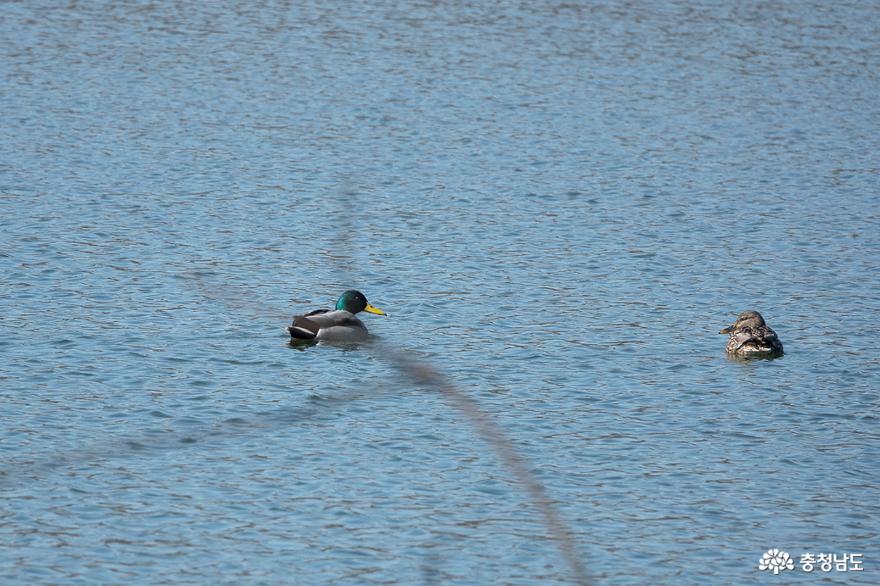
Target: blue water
point(559, 205)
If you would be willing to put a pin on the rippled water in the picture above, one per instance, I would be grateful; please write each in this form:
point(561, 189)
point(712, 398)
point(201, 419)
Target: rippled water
point(559, 205)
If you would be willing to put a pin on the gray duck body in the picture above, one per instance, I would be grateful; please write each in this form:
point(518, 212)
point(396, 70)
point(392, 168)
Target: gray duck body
point(329, 326)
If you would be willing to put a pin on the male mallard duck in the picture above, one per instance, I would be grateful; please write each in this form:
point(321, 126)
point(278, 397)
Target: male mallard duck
point(338, 325)
point(750, 337)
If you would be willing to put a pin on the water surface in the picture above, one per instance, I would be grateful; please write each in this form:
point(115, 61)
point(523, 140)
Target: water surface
point(558, 204)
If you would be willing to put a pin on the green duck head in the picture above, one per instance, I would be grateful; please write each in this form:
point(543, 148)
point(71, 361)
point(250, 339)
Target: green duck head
point(354, 302)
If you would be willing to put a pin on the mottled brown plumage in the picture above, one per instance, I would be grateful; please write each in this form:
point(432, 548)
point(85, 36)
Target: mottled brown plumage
point(750, 337)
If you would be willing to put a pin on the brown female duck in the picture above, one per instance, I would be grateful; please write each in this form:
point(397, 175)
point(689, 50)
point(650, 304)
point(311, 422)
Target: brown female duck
point(750, 337)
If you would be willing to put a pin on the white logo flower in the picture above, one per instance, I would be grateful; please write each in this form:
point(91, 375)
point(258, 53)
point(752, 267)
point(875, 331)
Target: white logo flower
point(775, 560)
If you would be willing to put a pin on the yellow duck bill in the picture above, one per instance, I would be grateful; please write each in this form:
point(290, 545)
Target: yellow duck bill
point(373, 309)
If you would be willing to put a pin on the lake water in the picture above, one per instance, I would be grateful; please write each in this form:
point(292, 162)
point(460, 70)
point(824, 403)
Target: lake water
point(558, 204)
